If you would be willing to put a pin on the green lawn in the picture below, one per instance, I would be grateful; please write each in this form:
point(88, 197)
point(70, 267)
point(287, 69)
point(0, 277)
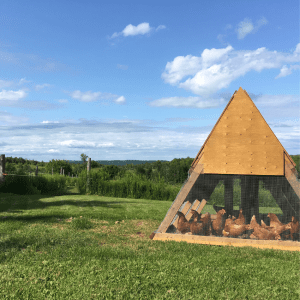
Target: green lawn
point(92, 247)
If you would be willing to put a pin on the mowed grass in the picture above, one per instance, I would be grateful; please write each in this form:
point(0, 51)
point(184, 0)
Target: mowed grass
point(92, 247)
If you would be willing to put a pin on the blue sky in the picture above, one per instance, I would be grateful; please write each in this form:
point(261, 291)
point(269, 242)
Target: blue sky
point(142, 80)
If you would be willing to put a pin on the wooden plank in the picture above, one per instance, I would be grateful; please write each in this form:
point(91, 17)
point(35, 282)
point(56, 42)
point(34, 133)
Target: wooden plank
point(202, 204)
point(184, 210)
point(180, 199)
point(223, 241)
point(193, 206)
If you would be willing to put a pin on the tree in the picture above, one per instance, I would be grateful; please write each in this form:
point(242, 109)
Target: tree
point(83, 157)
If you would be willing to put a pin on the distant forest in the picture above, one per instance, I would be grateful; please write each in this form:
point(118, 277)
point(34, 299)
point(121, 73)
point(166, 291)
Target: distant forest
point(172, 172)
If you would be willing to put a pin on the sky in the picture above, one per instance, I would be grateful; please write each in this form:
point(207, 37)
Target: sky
point(141, 80)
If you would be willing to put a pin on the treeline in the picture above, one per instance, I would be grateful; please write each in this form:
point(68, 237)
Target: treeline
point(173, 172)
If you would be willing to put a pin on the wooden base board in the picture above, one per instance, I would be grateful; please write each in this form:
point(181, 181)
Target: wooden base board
point(223, 241)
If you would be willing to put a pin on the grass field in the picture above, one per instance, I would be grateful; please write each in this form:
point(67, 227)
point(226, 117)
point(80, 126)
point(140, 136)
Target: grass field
point(92, 247)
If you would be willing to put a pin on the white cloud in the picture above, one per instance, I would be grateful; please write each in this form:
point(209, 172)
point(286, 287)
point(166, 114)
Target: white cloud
point(5, 83)
point(160, 27)
point(285, 71)
point(12, 95)
point(194, 102)
point(120, 100)
point(86, 97)
point(131, 30)
point(217, 68)
point(8, 119)
point(90, 97)
point(41, 86)
point(47, 122)
point(245, 27)
point(142, 28)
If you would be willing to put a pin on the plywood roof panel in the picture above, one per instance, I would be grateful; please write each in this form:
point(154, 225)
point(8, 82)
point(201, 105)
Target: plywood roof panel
point(242, 142)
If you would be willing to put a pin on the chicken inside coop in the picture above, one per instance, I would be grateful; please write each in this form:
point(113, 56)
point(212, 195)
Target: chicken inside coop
point(194, 223)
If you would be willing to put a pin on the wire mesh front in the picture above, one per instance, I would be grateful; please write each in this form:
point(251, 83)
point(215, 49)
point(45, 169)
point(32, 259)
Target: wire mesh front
point(238, 206)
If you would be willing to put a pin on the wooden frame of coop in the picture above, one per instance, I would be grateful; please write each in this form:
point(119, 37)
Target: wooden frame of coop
point(241, 145)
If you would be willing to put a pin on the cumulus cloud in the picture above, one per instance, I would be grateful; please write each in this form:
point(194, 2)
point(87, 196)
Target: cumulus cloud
point(131, 30)
point(12, 95)
point(217, 68)
point(91, 97)
point(246, 26)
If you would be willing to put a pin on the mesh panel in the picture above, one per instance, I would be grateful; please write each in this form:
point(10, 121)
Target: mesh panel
point(250, 207)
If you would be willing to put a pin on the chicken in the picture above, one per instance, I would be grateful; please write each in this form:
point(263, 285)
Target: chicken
point(235, 230)
point(241, 219)
point(183, 225)
point(219, 223)
point(263, 225)
point(295, 230)
point(229, 221)
point(253, 223)
point(274, 221)
point(263, 233)
point(196, 228)
point(280, 229)
point(206, 220)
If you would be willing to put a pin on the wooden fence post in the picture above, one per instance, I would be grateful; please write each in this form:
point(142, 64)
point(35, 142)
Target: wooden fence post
point(2, 168)
point(64, 172)
point(52, 171)
point(37, 171)
point(69, 174)
point(88, 174)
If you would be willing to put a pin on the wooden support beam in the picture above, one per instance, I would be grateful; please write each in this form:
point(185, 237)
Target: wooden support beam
point(228, 196)
point(181, 197)
point(224, 241)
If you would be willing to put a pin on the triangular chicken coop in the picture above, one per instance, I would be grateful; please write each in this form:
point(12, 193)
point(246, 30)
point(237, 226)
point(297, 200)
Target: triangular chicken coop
point(240, 146)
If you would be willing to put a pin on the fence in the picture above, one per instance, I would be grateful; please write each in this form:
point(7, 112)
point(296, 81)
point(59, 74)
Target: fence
point(3, 173)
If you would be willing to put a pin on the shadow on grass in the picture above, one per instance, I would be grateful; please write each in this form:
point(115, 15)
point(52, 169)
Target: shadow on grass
point(30, 202)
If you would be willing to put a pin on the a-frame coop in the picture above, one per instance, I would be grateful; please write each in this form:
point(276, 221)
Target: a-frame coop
point(240, 146)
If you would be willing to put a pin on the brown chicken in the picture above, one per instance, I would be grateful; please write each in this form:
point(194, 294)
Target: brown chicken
point(183, 225)
point(234, 230)
point(241, 219)
point(263, 225)
point(206, 220)
point(280, 229)
point(274, 221)
point(295, 229)
point(265, 234)
point(219, 223)
point(196, 228)
point(229, 221)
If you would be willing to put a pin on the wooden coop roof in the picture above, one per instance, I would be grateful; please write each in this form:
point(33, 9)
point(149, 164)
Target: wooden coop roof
point(242, 142)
